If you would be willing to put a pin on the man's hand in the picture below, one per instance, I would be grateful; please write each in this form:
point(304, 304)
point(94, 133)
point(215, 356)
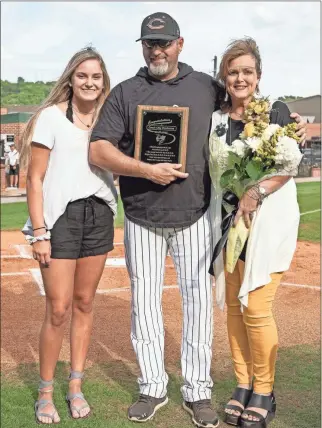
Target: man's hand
point(301, 127)
point(164, 173)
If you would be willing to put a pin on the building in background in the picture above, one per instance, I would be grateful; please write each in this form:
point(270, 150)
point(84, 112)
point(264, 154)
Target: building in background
point(13, 120)
point(310, 109)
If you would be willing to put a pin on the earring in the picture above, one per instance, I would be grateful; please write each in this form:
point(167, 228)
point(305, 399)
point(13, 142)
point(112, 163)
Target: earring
point(70, 84)
point(226, 97)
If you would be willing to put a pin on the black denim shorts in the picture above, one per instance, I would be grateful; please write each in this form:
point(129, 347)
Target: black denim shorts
point(85, 229)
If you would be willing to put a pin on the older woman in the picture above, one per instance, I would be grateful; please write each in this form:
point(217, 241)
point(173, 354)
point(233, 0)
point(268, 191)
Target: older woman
point(250, 290)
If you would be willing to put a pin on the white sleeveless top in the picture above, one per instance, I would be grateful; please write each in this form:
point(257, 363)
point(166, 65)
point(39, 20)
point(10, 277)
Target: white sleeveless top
point(272, 239)
point(69, 175)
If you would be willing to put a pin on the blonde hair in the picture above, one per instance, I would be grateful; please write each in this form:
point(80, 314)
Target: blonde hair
point(235, 49)
point(62, 91)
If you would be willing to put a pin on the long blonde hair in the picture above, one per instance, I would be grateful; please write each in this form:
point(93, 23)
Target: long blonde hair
point(62, 91)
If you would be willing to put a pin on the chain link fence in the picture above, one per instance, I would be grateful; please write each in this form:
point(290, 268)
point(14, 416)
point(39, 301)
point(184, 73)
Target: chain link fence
point(311, 158)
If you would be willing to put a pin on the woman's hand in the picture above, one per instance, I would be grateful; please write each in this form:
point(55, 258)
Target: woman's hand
point(247, 205)
point(301, 127)
point(41, 251)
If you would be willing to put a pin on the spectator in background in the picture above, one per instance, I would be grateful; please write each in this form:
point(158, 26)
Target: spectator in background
point(7, 168)
point(14, 166)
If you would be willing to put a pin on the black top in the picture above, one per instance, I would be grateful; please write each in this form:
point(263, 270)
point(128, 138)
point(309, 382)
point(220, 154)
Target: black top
point(182, 202)
point(280, 115)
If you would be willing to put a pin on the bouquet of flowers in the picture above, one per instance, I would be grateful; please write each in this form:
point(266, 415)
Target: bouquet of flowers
point(263, 150)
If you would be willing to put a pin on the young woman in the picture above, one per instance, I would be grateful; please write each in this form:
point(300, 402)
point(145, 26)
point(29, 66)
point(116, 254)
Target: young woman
point(71, 207)
point(250, 289)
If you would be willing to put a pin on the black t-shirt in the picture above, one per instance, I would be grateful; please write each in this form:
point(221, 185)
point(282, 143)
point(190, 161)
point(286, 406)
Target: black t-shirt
point(182, 202)
point(280, 115)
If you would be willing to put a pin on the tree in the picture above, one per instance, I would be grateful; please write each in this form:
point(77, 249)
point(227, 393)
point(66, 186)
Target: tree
point(23, 92)
point(287, 98)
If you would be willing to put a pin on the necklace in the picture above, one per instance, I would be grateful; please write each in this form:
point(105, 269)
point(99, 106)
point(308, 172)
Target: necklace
point(85, 114)
point(88, 126)
point(237, 114)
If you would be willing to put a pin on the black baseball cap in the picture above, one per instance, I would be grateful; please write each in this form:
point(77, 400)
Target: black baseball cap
point(159, 26)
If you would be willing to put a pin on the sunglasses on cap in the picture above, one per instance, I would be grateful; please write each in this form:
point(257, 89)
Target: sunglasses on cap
point(161, 43)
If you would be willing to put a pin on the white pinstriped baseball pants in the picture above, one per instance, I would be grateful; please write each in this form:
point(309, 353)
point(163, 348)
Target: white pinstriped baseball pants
point(191, 250)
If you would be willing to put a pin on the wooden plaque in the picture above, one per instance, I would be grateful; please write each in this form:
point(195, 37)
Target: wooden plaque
point(161, 134)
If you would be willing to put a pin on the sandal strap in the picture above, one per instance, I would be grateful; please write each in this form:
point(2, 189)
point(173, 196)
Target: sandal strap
point(242, 395)
point(44, 384)
point(265, 402)
point(74, 374)
point(71, 396)
point(40, 404)
point(234, 407)
point(253, 413)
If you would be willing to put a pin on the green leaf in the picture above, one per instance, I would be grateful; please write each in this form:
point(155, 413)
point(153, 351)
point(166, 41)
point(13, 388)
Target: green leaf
point(246, 182)
point(238, 188)
point(233, 159)
point(254, 170)
point(227, 177)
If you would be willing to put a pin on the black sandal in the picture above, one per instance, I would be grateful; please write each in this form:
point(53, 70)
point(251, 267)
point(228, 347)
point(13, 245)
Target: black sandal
point(243, 396)
point(266, 402)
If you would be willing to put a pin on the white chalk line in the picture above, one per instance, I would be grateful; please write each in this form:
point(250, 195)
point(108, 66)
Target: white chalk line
point(36, 274)
point(14, 273)
point(9, 256)
point(110, 261)
point(310, 212)
point(290, 284)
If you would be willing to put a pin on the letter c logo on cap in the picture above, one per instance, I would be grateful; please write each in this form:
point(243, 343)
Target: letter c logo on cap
point(156, 24)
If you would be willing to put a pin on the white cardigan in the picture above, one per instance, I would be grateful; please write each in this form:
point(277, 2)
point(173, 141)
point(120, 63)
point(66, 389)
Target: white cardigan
point(272, 239)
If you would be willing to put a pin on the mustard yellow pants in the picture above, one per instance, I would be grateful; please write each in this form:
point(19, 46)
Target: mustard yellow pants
point(252, 333)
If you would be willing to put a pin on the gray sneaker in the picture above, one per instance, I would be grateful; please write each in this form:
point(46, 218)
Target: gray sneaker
point(202, 413)
point(144, 409)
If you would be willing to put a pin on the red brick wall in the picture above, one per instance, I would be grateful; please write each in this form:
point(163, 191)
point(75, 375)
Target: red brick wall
point(13, 128)
point(22, 179)
point(3, 178)
point(313, 130)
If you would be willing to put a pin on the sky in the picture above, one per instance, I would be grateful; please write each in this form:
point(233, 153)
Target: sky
point(38, 39)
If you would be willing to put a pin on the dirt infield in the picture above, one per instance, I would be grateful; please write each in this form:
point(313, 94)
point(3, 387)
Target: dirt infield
point(297, 309)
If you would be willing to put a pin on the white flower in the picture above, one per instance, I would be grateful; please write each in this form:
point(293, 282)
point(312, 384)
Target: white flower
point(238, 147)
point(269, 131)
point(288, 153)
point(254, 143)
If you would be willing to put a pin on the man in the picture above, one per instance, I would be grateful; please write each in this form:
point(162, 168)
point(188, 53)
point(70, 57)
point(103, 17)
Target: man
point(7, 168)
point(165, 209)
point(14, 166)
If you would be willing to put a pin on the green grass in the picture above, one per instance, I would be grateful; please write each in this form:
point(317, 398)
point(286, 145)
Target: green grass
point(111, 388)
point(119, 221)
point(13, 216)
point(309, 198)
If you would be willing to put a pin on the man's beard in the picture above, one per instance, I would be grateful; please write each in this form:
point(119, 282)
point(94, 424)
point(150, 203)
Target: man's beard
point(159, 70)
